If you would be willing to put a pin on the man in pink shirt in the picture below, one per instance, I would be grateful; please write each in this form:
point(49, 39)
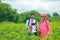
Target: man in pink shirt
point(44, 27)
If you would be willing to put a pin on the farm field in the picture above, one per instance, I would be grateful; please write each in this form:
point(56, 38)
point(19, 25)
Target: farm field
point(15, 13)
point(18, 31)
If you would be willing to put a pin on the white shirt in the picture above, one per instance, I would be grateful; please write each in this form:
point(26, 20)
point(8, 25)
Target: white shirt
point(33, 26)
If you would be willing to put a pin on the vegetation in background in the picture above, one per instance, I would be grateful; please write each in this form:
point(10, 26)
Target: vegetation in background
point(11, 15)
point(12, 24)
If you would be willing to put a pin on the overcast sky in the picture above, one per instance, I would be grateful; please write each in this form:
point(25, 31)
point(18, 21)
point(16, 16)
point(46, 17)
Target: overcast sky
point(42, 6)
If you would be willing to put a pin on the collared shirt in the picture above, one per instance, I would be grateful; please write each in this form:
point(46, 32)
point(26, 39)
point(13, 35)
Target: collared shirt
point(33, 26)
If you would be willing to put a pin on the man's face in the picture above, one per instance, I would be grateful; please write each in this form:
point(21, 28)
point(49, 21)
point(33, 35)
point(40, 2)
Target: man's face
point(32, 16)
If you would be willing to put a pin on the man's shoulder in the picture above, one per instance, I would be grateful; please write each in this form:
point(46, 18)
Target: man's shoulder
point(27, 20)
point(35, 19)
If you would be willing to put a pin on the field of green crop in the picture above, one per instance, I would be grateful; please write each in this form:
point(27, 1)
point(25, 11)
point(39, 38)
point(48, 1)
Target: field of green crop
point(16, 31)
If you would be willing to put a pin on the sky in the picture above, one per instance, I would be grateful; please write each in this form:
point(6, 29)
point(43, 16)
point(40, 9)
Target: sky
point(42, 6)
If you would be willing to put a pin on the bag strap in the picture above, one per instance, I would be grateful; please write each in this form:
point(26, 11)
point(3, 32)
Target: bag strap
point(35, 22)
point(28, 22)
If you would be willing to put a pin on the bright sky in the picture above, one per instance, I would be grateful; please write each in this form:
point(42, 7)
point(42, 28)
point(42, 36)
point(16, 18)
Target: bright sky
point(42, 6)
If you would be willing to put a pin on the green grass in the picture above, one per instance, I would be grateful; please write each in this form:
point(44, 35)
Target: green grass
point(16, 31)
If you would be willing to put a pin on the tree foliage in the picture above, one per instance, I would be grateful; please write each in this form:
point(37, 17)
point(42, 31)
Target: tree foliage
point(7, 13)
point(11, 15)
point(55, 14)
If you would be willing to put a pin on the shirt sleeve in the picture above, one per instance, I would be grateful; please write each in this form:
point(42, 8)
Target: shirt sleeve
point(48, 27)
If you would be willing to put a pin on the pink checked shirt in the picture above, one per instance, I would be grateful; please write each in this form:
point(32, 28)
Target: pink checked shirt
point(44, 28)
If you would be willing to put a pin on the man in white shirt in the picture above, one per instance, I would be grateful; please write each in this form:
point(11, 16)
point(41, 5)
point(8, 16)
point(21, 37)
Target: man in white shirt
point(32, 24)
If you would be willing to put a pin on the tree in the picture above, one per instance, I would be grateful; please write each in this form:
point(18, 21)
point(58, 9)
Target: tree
point(0, 1)
point(26, 15)
point(7, 13)
point(3, 12)
point(48, 15)
point(55, 14)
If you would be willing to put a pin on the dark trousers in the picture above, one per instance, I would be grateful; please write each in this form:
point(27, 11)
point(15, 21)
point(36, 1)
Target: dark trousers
point(35, 33)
